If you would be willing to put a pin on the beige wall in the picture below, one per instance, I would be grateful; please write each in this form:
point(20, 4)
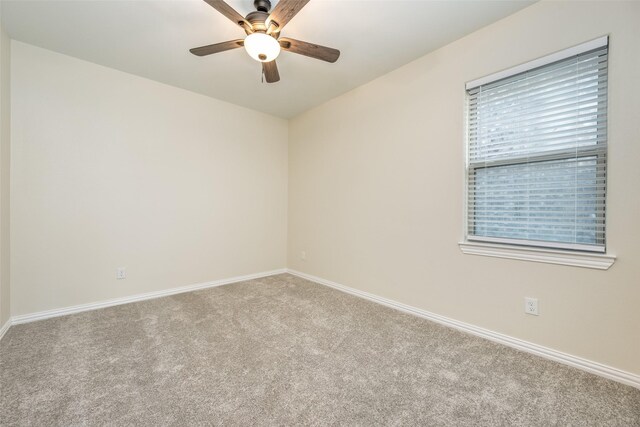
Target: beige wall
point(376, 182)
point(112, 170)
point(5, 161)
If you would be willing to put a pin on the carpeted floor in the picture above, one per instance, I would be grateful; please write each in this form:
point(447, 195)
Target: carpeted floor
point(284, 351)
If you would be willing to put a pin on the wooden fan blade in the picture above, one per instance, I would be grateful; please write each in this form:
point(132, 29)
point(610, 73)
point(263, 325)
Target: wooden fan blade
point(309, 49)
point(218, 47)
point(230, 13)
point(270, 70)
point(282, 13)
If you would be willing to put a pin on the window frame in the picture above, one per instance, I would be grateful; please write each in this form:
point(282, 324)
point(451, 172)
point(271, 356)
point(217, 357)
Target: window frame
point(581, 255)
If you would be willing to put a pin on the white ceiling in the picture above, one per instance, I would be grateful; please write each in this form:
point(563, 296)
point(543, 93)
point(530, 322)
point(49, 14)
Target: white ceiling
point(152, 38)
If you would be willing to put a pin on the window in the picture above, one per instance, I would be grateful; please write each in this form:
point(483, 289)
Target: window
point(537, 146)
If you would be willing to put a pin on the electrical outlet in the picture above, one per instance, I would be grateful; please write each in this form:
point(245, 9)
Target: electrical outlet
point(121, 273)
point(303, 255)
point(531, 306)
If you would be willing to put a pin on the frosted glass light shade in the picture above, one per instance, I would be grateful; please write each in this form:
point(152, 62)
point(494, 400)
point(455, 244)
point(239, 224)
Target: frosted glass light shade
point(262, 47)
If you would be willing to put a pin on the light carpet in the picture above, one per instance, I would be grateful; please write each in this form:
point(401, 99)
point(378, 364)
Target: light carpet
point(284, 351)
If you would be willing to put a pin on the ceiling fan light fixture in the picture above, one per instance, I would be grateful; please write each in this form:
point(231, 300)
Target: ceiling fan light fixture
point(262, 47)
point(263, 41)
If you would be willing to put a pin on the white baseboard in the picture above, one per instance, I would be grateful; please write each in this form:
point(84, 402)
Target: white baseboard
point(548, 353)
point(32, 317)
point(5, 328)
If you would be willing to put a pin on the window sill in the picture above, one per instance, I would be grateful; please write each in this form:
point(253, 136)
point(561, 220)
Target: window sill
point(549, 256)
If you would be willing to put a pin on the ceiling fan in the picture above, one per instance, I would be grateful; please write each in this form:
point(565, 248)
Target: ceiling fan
point(263, 41)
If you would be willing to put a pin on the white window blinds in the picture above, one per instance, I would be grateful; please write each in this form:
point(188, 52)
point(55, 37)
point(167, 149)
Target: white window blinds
point(536, 161)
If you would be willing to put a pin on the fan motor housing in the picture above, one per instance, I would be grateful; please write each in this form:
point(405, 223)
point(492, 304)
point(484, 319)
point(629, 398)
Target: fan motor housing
point(257, 19)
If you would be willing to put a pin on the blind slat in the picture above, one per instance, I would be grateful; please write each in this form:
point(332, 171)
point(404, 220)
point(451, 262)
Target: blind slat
point(587, 81)
point(524, 86)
